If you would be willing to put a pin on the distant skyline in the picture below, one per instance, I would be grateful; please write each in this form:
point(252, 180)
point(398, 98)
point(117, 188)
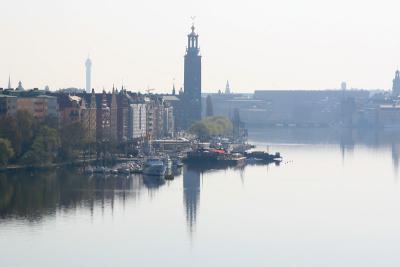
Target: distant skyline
point(286, 44)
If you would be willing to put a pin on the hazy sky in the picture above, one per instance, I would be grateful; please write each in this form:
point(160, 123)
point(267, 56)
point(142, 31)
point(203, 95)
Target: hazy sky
point(285, 44)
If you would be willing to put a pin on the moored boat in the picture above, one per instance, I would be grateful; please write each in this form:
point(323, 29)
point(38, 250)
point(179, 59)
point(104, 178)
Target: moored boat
point(154, 167)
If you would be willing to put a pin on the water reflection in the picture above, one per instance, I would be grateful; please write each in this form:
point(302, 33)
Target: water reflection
point(346, 139)
point(331, 203)
point(34, 195)
point(395, 158)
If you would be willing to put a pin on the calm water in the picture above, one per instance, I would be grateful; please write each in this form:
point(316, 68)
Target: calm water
point(334, 201)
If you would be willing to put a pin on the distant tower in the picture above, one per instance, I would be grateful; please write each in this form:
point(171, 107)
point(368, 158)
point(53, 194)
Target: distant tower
point(192, 80)
point(396, 84)
point(343, 86)
point(227, 88)
point(173, 89)
point(9, 82)
point(88, 65)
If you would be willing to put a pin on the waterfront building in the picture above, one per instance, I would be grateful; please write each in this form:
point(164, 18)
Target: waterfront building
point(137, 120)
point(71, 108)
point(117, 116)
point(88, 65)
point(177, 116)
point(192, 80)
point(114, 116)
point(396, 85)
point(168, 121)
point(103, 115)
point(89, 118)
point(151, 118)
point(71, 90)
point(40, 106)
point(156, 117)
point(123, 106)
point(306, 107)
point(389, 116)
point(176, 113)
point(8, 105)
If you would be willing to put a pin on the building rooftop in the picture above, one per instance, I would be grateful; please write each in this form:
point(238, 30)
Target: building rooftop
point(170, 98)
point(8, 96)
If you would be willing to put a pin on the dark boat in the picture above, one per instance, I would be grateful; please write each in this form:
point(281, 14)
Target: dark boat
point(213, 157)
point(263, 156)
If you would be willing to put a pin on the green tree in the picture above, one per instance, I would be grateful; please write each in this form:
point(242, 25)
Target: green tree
point(51, 121)
point(200, 130)
point(211, 126)
point(73, 140)
point(6, 151)
point(27, 125)
point(44, 148)
point(9, 130)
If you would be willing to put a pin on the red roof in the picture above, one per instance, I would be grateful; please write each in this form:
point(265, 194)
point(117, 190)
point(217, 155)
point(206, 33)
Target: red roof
point(219, 151)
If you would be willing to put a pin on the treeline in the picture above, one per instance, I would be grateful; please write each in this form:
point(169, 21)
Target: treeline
point(25, 140)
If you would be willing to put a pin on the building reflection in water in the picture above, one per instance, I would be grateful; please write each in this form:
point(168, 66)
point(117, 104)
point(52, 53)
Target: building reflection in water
point(346, 142)
point(153, 183)
point(191, 195)
point(32, 196)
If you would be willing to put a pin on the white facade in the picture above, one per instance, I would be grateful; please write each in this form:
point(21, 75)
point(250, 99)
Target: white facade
point(168, 121)
point(137, 120)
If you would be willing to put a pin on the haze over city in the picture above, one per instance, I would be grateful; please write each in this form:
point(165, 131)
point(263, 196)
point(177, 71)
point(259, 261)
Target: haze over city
point(258, 45)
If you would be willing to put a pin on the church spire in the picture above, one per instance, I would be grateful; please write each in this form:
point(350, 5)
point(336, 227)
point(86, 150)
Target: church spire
point(227, 88)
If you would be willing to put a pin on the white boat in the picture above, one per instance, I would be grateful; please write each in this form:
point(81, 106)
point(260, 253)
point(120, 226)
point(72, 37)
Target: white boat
point(154, 167)
point(253, 160)
point(124, 169)
point(99, 169)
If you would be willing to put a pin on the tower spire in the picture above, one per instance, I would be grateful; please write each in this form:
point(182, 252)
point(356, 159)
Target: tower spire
point(173, 88)
point(193, 41)
point(227, 88)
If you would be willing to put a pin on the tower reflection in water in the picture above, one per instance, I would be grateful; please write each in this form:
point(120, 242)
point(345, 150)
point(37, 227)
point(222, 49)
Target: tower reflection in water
point(395, 158)
point(191, 195)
